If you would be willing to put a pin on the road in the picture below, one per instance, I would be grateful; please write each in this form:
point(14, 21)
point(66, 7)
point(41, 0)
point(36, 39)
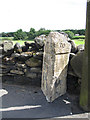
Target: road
point(26, 101)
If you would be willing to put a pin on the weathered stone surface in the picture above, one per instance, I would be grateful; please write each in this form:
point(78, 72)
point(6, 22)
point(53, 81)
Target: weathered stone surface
point(39, 75)
point(3, 66)
point(32, 62)
point(15, 55)
point(80, 48)
point(35, 70)
point(40, 40)
point(9, 53)
point(76, 63)
point(1, 49)
point(71, 55)
point(13, 63)
point(55, 63)
point(71, 71)
point(73, 46)
point(0, 76)
point(33, 47)
point(31, 75)
point(17, 72)
point(26, 54)
point(1, 56)
point(8, 45)
point(26, 47)
point(20, 65)
point(61, 45)
point(17, 48)
point(23, 56)
point(38, 55)
point(3, 71)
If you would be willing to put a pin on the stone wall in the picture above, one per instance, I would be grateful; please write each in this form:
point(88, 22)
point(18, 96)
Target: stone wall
point(23, 64)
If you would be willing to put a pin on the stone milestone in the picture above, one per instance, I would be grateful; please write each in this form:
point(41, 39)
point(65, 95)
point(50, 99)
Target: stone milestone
point(55, 63)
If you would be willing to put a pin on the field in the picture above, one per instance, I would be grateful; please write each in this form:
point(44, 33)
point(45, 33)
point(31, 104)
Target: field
point(15, 41)
point(6, 38)
point(22, 41)
point(79, 37)
point(76, 39)
point(79, 41)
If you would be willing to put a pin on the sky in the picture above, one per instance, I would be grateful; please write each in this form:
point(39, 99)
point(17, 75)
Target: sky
point(48, 14)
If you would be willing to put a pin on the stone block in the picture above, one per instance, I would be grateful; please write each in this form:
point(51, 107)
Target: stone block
point(8, 45)
point(55, 63)
point(32, 62)
point(31, 75)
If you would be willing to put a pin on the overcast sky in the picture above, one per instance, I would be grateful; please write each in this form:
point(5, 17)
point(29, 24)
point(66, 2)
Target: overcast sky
point(48, 14)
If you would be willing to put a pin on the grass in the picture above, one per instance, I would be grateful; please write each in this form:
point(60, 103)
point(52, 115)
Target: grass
point(15, 41)
point(79, 41)
point(6, 38)
point(79, 37)
point(21, 42)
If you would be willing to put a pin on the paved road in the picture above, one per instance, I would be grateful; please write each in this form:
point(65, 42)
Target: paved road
point(27, 101)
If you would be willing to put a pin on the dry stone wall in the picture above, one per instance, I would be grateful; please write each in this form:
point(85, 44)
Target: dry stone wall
point(23, 64)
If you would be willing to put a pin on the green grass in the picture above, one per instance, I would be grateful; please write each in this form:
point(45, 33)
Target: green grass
point(6, 38)
point(79, 41)
point(15, 41)
point(78, 37)
point(22, 41)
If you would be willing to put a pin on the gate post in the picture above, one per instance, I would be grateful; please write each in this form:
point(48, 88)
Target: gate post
point(85, 92)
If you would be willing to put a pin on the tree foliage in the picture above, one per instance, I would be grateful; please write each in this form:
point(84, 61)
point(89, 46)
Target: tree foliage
point(33, 33)
point(80, 32)
point(20, 35)
point(70, 34)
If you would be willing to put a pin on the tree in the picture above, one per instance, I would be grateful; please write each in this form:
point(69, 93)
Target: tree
point(4, 34)
point(20, 35)
point(10, 34)
point(42, 31)
point(70, 34)
point(32, 30)
point(31, 33)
